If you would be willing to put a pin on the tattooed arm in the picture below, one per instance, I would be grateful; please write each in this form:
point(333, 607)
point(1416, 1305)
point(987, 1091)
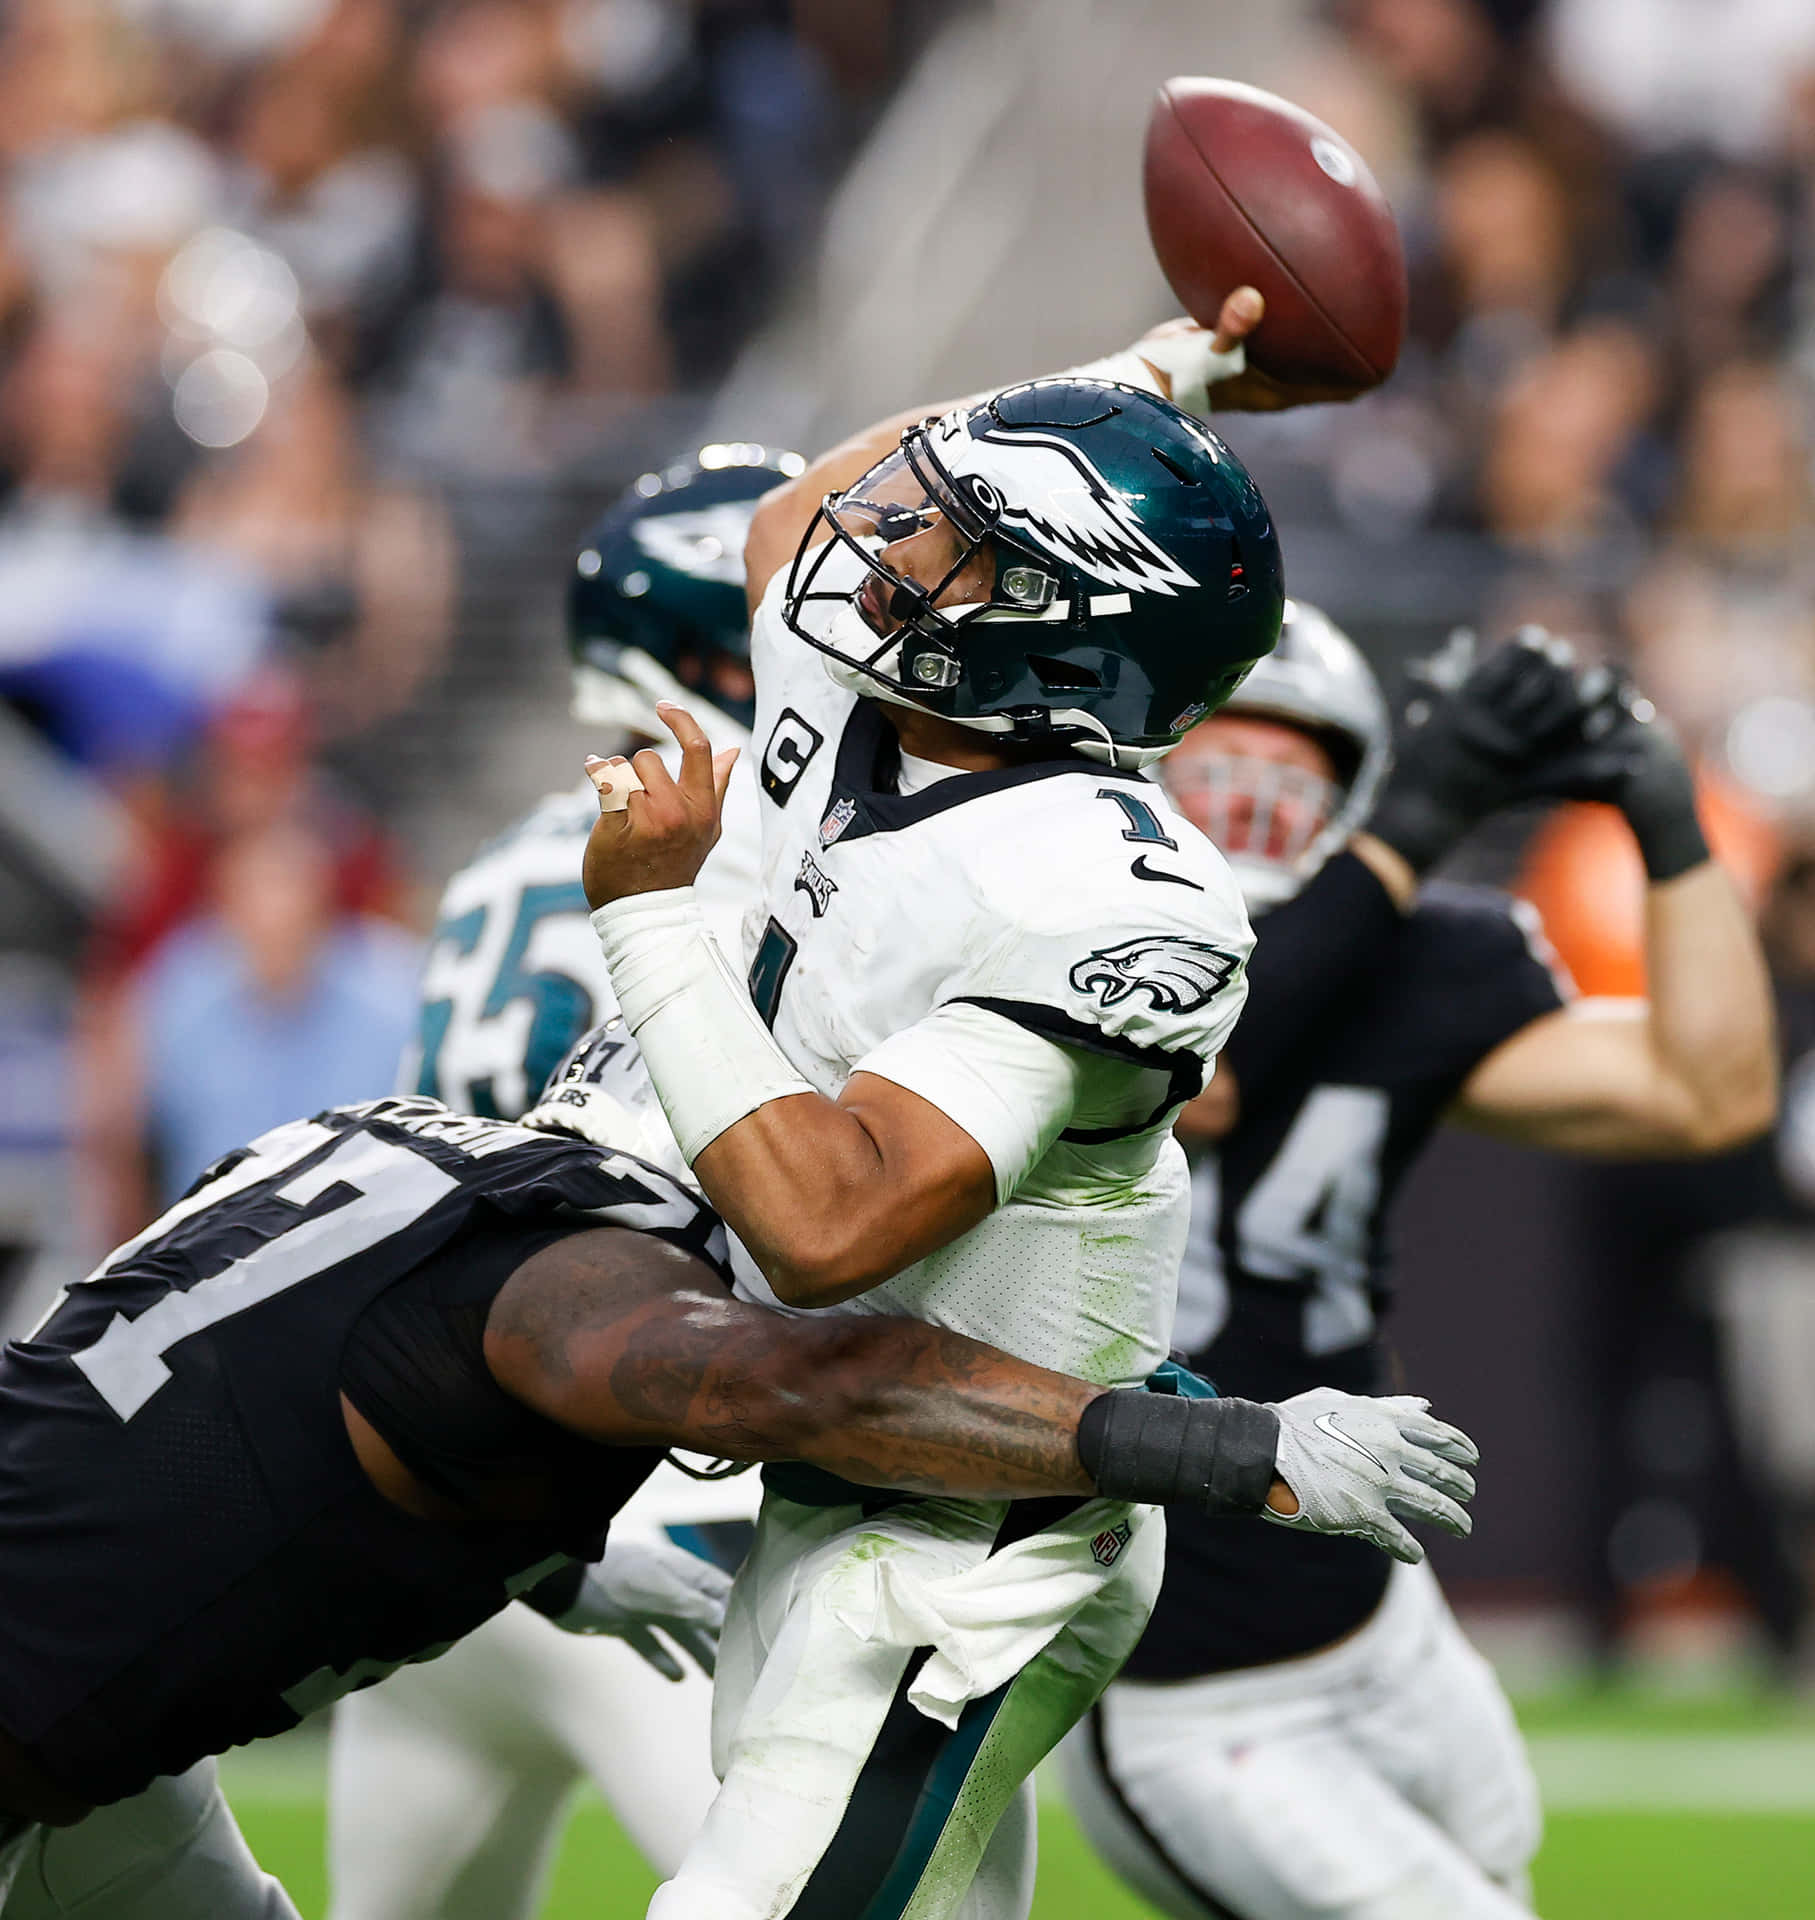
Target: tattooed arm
point(628, 1341)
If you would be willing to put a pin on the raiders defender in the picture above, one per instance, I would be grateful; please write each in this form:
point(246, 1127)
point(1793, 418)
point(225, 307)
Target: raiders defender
point(1303, 1733)
point(988, 964)
point(382, 1370)
point(494, 1737)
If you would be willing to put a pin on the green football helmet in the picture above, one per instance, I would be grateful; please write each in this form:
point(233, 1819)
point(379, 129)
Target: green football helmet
point(655, 602)
point(1072, 561)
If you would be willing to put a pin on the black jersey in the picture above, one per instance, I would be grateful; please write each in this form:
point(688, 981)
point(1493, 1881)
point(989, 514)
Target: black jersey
point(192, 1555)
point(1286, 1276)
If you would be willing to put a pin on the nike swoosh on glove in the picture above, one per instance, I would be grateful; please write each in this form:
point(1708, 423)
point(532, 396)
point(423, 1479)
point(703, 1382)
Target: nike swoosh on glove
point(642, 1587)
point(1363, 1465)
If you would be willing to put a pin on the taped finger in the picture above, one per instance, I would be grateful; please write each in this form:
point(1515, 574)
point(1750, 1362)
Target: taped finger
point(614, 781)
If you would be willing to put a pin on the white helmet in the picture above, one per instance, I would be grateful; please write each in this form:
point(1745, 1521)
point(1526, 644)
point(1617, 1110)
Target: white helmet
point(1277, 824)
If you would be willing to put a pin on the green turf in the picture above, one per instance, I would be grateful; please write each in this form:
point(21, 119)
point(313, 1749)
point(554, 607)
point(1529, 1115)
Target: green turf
point(1594, 1867)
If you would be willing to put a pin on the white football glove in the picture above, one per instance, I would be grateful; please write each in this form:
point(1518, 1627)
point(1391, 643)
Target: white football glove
point(641, 1586)
point(1362, 1465)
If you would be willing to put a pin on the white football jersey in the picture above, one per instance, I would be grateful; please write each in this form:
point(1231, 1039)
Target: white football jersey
point(1068, 900)
point(514, 976)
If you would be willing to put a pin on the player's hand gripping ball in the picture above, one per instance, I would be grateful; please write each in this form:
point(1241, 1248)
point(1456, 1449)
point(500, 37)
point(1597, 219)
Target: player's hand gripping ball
point(1245, 189)
point(654, 829)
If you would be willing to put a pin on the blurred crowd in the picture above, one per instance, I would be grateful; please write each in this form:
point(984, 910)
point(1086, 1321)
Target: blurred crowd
point(283, 283)
point(1609, 211)
point(326, 324)
point(1604, 422)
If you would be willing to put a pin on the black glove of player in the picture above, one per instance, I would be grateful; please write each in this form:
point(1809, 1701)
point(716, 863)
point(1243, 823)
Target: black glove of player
point(1627, 756)
point(1472, 734)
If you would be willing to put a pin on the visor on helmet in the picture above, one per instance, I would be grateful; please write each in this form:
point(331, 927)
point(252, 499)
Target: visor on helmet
point(928, 562)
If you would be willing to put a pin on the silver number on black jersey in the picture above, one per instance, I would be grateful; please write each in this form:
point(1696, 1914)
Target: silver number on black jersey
point(1307, 1217)
point(1306, 1220)
point(387, 1188)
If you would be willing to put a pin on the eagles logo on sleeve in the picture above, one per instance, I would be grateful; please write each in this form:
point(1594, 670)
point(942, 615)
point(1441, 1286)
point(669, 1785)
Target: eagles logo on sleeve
point(1176, 975)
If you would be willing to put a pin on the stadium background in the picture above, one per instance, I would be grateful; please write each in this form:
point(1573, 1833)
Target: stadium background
point(326, 324)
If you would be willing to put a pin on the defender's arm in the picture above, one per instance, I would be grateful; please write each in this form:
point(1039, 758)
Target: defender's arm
point(882, 1402)
point(1692, 1070)
point(629, 1342)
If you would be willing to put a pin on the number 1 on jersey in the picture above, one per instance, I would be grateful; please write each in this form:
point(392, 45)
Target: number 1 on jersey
point(1143, 823)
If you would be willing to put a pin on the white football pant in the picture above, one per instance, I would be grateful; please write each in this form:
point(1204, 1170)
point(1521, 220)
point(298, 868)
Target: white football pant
point(840, 1797)
point(448, 1783)
point(172, 1852)
point(1380, 1779)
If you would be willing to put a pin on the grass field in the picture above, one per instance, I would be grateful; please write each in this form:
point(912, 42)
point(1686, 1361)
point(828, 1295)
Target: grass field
point(1627, 1866)
point(1703, 1811)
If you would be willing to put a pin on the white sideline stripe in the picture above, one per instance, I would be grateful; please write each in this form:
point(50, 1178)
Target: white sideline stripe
point(1657, 1772)
point(1577, 1772)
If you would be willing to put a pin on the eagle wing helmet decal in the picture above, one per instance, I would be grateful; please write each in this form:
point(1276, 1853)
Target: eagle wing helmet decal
point(1053, 489)
point(1177, 975)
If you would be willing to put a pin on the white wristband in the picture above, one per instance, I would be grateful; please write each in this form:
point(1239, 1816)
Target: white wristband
point(710, 1056)
point(1185, 358)
point(1126, 367)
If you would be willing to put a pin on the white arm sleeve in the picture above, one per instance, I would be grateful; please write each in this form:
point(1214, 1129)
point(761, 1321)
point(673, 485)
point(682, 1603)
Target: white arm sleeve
point(1011, 1090)
point(710, 1056)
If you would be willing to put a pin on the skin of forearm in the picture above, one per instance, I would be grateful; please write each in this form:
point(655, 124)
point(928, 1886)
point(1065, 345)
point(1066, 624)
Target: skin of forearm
point(815, 1189)
point(1712, 1021)
point(628, 1342)
point(891, 1403)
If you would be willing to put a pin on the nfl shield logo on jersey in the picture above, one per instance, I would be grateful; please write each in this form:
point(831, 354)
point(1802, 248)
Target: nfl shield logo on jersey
point(1106, 1548)
point(842, 814)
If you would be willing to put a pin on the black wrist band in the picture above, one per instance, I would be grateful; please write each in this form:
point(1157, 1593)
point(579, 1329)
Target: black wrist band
point(1156, 1448)
point(1672, 842)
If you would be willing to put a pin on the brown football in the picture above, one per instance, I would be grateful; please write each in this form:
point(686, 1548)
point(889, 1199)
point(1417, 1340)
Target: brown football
point(1243, 188)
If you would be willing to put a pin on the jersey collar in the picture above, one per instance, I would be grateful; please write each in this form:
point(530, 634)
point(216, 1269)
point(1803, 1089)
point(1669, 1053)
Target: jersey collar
point(869, 756)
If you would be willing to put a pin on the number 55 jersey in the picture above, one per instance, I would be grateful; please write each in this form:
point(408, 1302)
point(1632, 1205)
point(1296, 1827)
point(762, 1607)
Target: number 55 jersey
point(921, 923)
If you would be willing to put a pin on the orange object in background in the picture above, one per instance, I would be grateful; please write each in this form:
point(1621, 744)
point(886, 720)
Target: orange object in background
point(1583, 874)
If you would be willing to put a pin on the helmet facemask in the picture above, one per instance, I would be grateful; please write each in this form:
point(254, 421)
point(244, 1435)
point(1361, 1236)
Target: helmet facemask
point(1276, 819)
point(894, 635)
point(1265, 816)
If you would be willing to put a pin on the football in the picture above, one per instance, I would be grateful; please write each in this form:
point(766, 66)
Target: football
point(1243, 188)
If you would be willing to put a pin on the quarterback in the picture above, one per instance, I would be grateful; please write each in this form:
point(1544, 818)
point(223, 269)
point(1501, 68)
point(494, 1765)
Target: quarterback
point(1304, 1733)
point(988, 963)
point(493, 1737)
